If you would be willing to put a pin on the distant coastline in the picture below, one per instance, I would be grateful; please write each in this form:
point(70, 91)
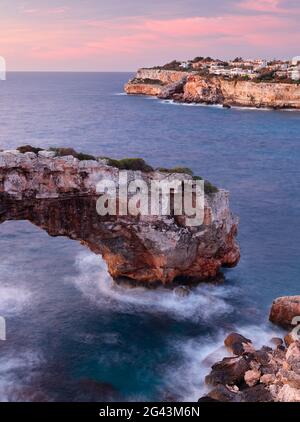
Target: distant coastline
point(212, 87)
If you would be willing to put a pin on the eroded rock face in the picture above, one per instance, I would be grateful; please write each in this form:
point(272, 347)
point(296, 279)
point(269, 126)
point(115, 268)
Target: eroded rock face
point(59, 195)
point(216, 90)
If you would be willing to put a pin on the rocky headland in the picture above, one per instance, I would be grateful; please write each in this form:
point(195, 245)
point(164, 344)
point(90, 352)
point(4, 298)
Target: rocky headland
point(192, 87)
point(270, 374)
point(56, 191)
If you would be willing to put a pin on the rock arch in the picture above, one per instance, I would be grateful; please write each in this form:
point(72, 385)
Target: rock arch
point(58, 194)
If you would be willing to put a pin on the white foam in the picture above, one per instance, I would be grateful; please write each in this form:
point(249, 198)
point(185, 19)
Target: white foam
point(13, 369)
point(203, 303)
point(13, 299)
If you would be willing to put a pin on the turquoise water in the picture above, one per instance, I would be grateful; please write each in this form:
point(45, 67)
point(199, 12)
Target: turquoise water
point(71, 334)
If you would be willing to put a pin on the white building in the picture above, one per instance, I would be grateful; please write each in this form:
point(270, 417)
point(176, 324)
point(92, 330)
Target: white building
point(294, 70)
point(295, 73)
point(296, 61)
point(185, 65)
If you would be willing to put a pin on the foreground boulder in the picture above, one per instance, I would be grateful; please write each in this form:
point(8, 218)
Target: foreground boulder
point(230, 371)
point(284, 310)
point(237, 344)
point(264, 375)
point(58, 193)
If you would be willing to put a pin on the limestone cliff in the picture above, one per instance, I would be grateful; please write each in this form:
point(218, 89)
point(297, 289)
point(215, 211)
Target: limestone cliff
point(214, 90)
point(59, 195)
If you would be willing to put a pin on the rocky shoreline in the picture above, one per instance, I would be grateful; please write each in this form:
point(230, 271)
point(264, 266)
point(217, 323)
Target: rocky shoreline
point(192, 87)
point(270, 374)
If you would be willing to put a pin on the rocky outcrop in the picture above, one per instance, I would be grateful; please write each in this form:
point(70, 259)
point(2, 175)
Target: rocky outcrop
point(284, 310)
point(264, 375)
point(59, 195)
point(268, 374)
point(218, 90)
point(155, 82)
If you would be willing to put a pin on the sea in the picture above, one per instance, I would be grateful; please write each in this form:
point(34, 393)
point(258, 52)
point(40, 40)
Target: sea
point(72, 335)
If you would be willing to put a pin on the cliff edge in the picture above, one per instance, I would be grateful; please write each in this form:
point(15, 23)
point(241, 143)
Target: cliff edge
point(192, 87)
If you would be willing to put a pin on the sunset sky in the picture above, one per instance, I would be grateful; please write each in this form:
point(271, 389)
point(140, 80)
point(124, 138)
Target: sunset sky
point(115, 35)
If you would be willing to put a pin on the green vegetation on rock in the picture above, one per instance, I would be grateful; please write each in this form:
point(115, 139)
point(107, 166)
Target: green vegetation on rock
point(28, 148)
point(63, 152)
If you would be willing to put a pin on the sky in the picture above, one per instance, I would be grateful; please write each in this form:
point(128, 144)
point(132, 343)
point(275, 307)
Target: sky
point(123, 35)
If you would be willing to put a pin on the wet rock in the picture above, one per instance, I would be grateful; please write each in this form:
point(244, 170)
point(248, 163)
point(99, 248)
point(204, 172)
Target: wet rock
point(277, 341)
point(236, 343)
point(182, 291)
point(229, 371)
point(284, 309)
point(261, 356)
point(207, 399)
point(223, 394)
point(258, 393)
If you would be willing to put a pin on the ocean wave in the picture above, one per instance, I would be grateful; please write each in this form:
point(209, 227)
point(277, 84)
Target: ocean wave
point(13, 300)
point(220, 106)
point(16, 372)
point(203, 303)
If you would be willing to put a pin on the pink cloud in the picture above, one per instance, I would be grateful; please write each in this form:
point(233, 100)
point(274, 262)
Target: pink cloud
point(138, 41)
point(45, 12)
point(267, 6)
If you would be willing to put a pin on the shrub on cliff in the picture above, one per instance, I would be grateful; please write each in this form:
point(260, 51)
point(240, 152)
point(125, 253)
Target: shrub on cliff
point(174, 65)
point(129, 164)
point(209, 188)
point(29, 148)
point(182, 170)
point(147, 81)
point(63, 152)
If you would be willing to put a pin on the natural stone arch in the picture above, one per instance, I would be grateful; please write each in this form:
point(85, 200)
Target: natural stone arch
point(58, 194)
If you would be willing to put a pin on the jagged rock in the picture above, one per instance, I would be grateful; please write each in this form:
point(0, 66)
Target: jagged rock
point(284, 309)
point(262, 357)
point(173, 90)
point(229, 371)
point(289, 377)
point(207, 399)
point(267, 379)
point(182, 291)
point(256, 394)
point(59, 195)
point(287, 394)
point(277, 341)
point(293, 356)
point(252, 377)
point(272, 375)
point(237, 344)
point(223, 394)
point(289, 339)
